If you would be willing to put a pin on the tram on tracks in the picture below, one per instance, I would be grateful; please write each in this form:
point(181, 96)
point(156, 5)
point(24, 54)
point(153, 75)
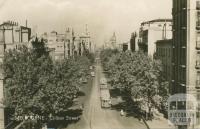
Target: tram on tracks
point(105, 98)
point(104, 94)
point(103, 83)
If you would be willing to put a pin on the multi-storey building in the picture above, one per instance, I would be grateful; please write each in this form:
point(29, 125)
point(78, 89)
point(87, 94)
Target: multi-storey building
point(57, 45)
point(61, 45)
point(85, 42)
point(164, 53)
point(151, 31)
point(133, 42)
point(78, 48)
point(186, 49)
point(12, 35)
point(69, 40)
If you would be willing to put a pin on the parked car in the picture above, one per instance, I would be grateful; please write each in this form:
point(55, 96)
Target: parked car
point(83, 80)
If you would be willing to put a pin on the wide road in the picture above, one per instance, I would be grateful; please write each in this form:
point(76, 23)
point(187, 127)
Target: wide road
point(94, 117)
point(98, 118)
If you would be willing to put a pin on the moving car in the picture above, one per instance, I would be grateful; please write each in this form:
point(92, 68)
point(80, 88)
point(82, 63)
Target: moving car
point(103, 81)
point(92, 74)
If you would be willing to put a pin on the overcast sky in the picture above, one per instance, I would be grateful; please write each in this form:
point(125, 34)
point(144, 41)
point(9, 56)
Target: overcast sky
point(102, 16)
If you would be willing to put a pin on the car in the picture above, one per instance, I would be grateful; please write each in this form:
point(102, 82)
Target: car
point(83, 80)
point(103, 81)
point(92, 74)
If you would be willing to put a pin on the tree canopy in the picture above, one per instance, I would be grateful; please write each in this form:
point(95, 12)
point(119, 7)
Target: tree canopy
point(36, 85)
point(136, 74)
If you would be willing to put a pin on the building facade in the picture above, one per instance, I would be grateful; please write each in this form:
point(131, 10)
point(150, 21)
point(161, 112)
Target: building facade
point(151, 31)
point(67, 45)
point(133, 42)
point(86, 43)
point(164, 53)
point(61, 45)
point(186, 49)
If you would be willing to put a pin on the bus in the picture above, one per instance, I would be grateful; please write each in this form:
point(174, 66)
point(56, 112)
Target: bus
point(105, 98)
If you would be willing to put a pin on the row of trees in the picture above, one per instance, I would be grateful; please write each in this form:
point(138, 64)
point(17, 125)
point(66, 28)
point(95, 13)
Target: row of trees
point(138, 76)
point(36, 85)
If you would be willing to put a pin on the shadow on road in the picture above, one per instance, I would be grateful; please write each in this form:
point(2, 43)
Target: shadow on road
point(126, 104)
point(80, 94)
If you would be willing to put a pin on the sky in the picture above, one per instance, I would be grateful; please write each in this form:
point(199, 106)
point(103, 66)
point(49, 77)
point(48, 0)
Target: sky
point(103, 17)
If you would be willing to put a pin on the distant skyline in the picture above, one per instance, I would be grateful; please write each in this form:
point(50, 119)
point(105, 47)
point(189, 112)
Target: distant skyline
point(103, 17)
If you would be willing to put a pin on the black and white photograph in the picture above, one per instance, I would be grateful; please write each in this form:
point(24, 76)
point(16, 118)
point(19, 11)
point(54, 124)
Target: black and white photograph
point(99, 64)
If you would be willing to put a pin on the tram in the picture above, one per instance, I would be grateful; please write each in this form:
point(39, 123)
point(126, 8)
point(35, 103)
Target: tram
point(103, 83)
point(105, 98)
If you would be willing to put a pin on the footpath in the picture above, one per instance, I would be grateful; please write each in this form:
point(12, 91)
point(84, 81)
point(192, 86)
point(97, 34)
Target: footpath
point(159, 123)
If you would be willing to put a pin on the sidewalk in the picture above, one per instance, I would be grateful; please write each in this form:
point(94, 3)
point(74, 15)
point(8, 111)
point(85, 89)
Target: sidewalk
point(159, 123)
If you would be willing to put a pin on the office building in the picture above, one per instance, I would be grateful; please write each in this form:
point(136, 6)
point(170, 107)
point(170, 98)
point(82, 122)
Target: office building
point(133, 42)
point(186, 49)
point(164, 54)
point(151, 31)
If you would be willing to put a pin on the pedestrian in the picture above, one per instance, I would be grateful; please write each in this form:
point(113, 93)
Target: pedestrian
point(82, 106)
point(122, 112)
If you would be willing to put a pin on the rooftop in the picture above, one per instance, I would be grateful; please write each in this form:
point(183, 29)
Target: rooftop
point(164, 41)
point(156, 20)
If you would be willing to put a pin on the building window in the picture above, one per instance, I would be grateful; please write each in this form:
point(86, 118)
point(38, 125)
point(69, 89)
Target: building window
point(198, 96)
point(198, 80)
point(198, 61)
point(198, 41)
point(198, 20)
point(198, 5)
point(183, 56)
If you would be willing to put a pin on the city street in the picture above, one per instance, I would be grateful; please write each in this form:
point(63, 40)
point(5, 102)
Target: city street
point(92, 64)
point(94, 117)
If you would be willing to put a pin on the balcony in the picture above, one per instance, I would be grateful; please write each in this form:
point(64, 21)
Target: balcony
point(198, 45)
point(197, 84)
